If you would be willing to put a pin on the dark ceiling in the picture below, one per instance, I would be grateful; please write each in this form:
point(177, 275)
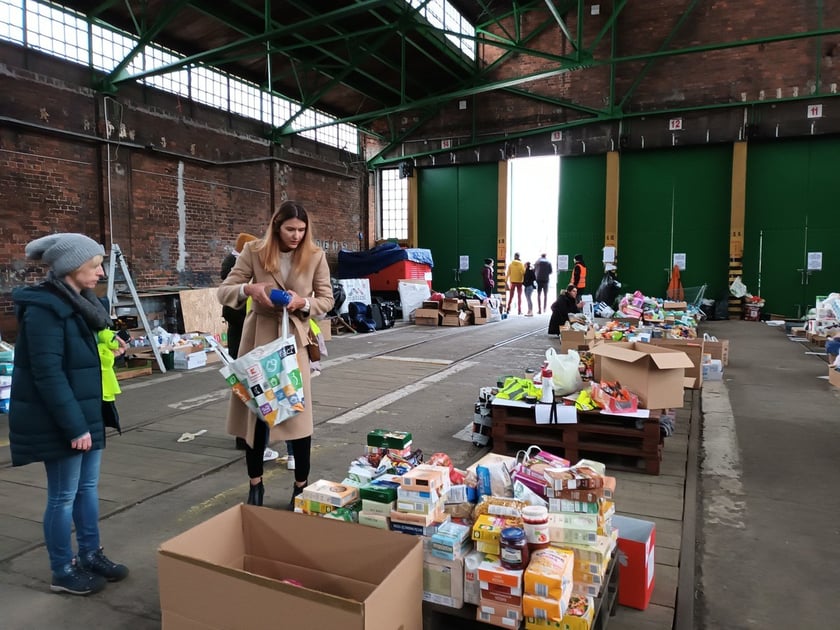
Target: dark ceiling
point(369, 62)
point(357, 60)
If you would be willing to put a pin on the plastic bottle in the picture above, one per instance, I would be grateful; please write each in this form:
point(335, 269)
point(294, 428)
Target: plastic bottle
point(547, 386)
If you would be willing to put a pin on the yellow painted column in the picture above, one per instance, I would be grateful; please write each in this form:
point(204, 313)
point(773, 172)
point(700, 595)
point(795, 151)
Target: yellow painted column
point(737, 214)
point(502, 231)
point(611, 202)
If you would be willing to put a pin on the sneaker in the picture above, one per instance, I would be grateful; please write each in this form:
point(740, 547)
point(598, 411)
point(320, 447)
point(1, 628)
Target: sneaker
point(77, 581)
point(290, 462)
point(97, 562)
point(270, 454)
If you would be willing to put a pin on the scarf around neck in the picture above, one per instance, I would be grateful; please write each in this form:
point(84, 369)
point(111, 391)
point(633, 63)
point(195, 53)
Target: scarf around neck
point(85, 302)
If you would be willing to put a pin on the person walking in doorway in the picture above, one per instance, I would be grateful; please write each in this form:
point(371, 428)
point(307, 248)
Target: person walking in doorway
point(286, 257)
point(514, 278)
point(543, 271)
point(529, 283)
point(578, 279)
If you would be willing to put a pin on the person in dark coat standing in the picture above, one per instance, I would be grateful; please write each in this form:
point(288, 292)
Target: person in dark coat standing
point(56, 406)
point(488, 277)
point(565, 304)
point(543, 271)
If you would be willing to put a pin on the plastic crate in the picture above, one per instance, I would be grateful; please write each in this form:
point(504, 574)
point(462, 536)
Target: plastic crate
point(387, 279)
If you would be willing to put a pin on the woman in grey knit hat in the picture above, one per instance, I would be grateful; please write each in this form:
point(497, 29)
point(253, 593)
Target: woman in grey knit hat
point(55, 411)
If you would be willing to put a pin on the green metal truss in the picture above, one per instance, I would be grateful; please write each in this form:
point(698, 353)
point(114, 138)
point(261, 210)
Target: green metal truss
point(335, 66)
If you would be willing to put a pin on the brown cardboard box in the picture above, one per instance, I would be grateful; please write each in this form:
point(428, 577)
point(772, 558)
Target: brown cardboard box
point(674, 306)
point(427, 317)
point(574, 339)
point(834, 376)
point(694, 349)
point(655, 374)
point(479, 314)
point(461, 318)
point(450, 305)
point(718, 349)
point(353, 577)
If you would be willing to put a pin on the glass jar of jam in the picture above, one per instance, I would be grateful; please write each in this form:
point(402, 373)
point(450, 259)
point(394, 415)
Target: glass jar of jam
point(514, 549)
point(535, 519)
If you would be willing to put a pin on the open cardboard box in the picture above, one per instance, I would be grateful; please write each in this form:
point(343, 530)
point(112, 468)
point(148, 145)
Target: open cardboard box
point(655, 374)
point(353, 577)
point(571, 339)
point(694, 349)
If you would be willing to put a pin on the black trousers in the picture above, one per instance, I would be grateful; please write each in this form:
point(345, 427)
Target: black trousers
point(254, 456)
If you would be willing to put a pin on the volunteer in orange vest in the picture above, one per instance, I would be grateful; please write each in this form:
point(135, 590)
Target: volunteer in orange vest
point(578, 278)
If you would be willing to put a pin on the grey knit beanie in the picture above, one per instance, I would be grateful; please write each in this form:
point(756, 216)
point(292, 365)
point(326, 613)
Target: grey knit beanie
point(65, 252)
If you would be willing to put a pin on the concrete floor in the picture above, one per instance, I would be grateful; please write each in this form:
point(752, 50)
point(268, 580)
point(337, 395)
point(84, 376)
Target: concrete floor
point(746, 544)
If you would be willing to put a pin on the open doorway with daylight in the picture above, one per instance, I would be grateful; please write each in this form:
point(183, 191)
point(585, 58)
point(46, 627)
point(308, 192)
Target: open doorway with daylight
point(534, 185)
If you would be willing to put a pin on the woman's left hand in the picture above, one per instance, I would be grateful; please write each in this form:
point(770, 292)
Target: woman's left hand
point(296, 303)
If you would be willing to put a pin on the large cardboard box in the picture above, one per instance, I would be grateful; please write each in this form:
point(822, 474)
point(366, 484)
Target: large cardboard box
point(576, 340)
point(694, 349)
point(427, 317)
point(718, 349)
point(834, 376)
point(655, 374)
point(353, 577)
point(637, 545)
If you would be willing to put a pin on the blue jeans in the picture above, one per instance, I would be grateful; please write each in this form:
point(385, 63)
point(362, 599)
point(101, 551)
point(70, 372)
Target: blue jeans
point(72, 499)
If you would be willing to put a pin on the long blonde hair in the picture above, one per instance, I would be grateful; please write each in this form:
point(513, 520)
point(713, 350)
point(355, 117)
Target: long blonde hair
point(268, 248)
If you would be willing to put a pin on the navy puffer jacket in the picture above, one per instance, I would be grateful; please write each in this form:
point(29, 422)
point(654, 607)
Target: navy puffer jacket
point(57, 381)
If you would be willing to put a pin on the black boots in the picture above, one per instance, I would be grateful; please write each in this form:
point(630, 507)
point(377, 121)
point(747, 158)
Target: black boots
point(256, 493)
point(296, 490)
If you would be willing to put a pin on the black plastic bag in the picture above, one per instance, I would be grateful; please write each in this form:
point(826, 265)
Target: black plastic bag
point(608, 290)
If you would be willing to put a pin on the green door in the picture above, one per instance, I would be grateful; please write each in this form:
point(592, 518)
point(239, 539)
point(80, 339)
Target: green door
point(675, 201)
point(791, 212)
point(457, 210)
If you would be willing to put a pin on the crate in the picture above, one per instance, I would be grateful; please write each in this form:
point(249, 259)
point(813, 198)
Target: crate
point(387, 279)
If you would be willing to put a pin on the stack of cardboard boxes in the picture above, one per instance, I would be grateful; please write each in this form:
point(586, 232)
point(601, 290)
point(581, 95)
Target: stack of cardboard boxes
point(451, 312)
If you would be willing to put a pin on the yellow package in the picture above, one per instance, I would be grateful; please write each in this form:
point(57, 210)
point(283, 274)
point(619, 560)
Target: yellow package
point(544, 607)
point(549, 573)
point(580, 614)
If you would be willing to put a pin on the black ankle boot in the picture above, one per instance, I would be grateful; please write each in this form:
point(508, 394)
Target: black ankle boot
point(296, 490)
point(256, 493)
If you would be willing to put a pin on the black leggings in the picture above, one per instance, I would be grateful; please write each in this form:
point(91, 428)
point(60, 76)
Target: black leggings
point(254, 456)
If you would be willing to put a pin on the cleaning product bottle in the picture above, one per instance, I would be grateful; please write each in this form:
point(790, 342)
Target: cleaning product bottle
point(547, 386)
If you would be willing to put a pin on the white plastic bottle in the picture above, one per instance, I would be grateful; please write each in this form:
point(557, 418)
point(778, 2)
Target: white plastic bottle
point(547, 386)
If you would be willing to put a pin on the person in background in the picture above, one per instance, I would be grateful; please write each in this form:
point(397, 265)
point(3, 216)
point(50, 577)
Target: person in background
point(543, 271)
point(56, 408)
point(487, 277)
point(514, 278)
point(286, 257)
point(578, 278)
point(565, 304)
point(529, 282)
point(235, 318)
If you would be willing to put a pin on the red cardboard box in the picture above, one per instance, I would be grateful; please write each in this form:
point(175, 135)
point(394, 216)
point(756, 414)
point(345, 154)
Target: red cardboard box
point(636, 561)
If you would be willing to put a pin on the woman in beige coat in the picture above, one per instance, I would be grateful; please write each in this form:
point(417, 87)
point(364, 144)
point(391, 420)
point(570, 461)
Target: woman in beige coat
point(285, 258)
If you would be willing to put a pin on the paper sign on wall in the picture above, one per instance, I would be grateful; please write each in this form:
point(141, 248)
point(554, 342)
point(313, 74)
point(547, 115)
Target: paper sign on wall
point(463, 263)
point(562, 262)
point(609, 255)
point(679, 261)
point(814, 261)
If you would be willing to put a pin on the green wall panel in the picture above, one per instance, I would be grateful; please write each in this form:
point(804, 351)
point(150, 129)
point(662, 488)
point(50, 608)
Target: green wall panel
point(457, 216)
point(580, 220)
point(791, 210)
point(693, 185)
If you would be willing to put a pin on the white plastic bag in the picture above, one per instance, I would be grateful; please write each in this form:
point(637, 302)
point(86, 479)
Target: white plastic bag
point(565, 371)
point(738, 288)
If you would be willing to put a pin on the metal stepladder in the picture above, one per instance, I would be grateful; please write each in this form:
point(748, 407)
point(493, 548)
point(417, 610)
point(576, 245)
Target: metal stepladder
point(116, 255)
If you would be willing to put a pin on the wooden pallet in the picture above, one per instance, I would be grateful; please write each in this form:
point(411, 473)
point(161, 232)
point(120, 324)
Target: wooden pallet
point(594, 434)
point(133, 372)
